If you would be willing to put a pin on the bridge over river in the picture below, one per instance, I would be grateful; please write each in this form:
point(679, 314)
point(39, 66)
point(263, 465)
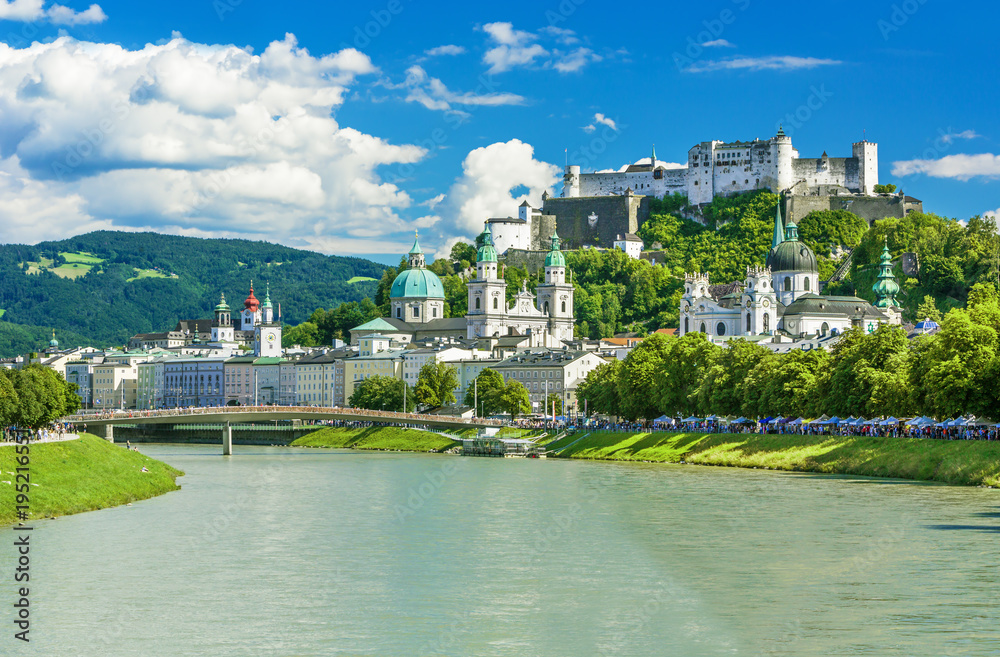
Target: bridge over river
point(226, 416)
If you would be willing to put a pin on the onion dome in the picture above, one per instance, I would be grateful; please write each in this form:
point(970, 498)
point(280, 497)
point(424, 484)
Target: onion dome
point(487, 250)
point(53, 342)
point(885, 288)
point(791, 254)
point(251, 303)
point(555, 258)
point(222, 306)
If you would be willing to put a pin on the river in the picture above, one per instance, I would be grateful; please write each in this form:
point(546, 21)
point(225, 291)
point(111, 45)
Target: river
point(280, 551)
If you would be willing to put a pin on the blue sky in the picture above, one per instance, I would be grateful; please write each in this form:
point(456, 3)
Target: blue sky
point(343, 127)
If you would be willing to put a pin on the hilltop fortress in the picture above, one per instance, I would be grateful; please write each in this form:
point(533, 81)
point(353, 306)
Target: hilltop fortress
point(716, 168)
point(600, 208)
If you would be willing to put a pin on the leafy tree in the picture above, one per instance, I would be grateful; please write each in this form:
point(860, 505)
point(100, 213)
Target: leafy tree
point(515, 399)
point(869, 374)
point(305, 334)
point(598, 393)
point(382, 393)
point(721, 388)
point(822, 230)
point(463, 253)
point(436, 384)
point(684, 364)
point(928, 309)
point(488, 388)
point(884, 189)
point(9, 400)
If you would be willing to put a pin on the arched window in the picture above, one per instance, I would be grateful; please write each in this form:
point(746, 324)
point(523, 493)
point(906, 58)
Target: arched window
point(564, 306)
point(495, 303)
point(720, 329)
point(767, 322)
point(788, 284)
point(687, 325)
point(807, 284)
point(748, 321)
point(823, 329)
point(703, 328)
point(477, 303)
point(546, 311)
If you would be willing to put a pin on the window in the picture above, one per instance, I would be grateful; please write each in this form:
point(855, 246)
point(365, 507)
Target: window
point(824, 329)
point(416, 311)
point(748, 321)
point(687, 325)
point(546, 310)
point(767, 322)
point(399, 312)
point(434, 311)
point(495, 303)
point(703, 328)
point(720, 329)
point(564, 306)
point(807, 284)
point(477, 303)
point(788, 284)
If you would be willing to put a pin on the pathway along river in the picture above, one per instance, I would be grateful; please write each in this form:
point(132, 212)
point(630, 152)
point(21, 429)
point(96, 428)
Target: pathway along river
point(281, 551)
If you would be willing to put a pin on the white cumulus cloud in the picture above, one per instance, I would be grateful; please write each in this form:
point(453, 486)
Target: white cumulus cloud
point(433, 94)
point(490, 175)
point(191, 138)
point(600, 119)
point(446, 50)
point(35, 11)
point(960, 167)
point(517, 48)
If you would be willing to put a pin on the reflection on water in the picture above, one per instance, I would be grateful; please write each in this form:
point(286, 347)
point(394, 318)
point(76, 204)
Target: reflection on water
point(277, 551)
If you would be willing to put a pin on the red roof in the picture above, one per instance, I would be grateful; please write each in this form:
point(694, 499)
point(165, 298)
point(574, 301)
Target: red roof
point(251, 303)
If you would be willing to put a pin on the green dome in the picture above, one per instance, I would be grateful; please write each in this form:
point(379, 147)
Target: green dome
point(417, 284)
point(555, 258)
point(223, 306)
point(487, 251)
point(792, 256)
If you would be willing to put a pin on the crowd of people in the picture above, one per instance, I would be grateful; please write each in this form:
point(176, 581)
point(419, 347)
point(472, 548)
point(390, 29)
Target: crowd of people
point(215, 410)
point(54, 432)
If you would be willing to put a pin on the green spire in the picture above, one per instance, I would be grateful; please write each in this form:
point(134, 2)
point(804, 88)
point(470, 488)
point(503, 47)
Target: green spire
point(652, 159)
point(487, 251)
point(555, 258)
point(267, 296)
point(416, 245)
point(885, 287)
point(779, 228)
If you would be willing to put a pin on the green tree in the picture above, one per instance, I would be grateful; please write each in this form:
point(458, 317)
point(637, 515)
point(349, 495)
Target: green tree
point(884, 189)
point(638, 378)
point(305, 334)
point(928, 309)
point(515, 399)
point(436, 384)
point(685, 363)
point(9, 401)
point(382, 393)
point(721, 389)
point(869, 374)
point(487, 389)
point(598, 393)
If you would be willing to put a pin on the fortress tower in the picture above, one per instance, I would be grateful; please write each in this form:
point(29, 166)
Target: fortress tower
point(782, 154)
point(571, 182)
point(866, 153)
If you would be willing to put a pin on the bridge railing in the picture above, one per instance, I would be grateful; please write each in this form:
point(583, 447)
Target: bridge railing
point(267, 410)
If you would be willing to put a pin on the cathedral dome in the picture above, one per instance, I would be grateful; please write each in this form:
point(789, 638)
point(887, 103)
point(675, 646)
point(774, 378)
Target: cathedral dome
point(792, 256)
point(417, 283)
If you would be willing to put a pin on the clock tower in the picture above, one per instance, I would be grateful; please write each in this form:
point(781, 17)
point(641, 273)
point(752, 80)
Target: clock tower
point(267, 334)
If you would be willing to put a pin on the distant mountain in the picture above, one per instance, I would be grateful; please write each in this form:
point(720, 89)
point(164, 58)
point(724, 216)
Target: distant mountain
point(104, 287)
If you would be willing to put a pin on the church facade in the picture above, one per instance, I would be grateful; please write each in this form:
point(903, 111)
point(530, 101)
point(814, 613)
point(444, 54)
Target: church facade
point(782, 298)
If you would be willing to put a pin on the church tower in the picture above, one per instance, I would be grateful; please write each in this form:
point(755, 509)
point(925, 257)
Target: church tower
point(886, 288)
point(555, 296)
point(250, 316)
point(759, 303)
point(222, 327)
point(267, 334)
point(487, 293)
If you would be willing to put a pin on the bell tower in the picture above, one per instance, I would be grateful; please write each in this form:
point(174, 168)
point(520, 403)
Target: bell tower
point(488, 293)
point(555, 295)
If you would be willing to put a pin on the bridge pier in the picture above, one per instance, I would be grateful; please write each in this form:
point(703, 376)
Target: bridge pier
point(227, 439)
point(106, 431)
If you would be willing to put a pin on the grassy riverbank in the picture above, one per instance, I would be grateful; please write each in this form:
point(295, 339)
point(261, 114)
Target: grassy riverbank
point(386, 438)
point(962, 462)
point(82, 475)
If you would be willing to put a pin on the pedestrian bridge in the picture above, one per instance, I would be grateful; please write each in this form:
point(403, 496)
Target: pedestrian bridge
point(103, 423)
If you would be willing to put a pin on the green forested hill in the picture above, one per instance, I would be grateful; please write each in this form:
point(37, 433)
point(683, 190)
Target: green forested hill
point(104, 287)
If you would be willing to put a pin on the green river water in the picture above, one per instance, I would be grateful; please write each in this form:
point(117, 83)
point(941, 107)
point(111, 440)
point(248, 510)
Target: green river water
point(282, 551)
